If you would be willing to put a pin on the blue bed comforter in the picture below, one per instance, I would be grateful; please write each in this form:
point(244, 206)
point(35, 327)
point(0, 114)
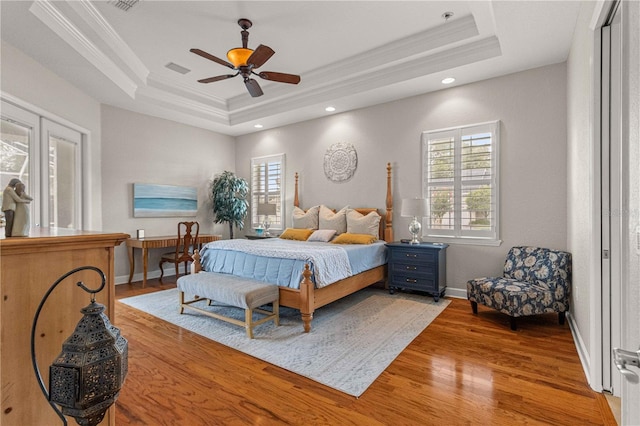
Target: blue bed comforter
point(251, 259)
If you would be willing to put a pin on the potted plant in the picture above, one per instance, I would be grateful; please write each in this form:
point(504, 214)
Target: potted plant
point(229, 199)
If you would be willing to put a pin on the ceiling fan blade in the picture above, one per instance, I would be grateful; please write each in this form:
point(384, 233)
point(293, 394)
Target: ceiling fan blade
point(280, 77)
point(260, 56)
point(216, 78)
point(211, 57)
point(253, 87)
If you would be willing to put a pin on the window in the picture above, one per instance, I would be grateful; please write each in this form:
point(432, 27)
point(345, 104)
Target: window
point(267, 187)
point(47, 157)
point(460, 182)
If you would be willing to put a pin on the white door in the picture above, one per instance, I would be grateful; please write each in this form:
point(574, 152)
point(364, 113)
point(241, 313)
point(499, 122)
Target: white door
point(627, 357)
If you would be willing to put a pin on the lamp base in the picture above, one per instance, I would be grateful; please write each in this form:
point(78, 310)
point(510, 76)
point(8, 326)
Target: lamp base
point(414, 230)
point(265, 225)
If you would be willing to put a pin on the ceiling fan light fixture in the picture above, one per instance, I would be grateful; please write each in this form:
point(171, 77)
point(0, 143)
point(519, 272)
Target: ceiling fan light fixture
point(239, 56)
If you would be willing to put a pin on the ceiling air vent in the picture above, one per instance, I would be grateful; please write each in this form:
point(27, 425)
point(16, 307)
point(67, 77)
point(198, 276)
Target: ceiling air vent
point(123, 4)
point(177, 68)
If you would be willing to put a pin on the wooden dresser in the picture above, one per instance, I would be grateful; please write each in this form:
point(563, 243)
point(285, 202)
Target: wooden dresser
point(29, 266)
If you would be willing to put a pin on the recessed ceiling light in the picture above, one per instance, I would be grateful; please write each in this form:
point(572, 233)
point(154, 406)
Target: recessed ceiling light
point(330, 109)
point(448, 80)
point(258, 126)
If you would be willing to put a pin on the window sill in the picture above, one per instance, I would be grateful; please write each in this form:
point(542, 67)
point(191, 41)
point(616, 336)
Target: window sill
point(462, 240)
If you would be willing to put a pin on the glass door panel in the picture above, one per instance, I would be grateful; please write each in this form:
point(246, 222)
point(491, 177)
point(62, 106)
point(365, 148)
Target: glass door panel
point(63, 176)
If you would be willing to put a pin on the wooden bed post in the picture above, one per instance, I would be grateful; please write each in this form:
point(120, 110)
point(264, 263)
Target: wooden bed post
point(388, 220)
point(306, 298)
point(296, 201)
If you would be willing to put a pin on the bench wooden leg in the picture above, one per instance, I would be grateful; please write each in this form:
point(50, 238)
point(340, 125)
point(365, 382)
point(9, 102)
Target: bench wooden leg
point(248, 322)
point(276, 312)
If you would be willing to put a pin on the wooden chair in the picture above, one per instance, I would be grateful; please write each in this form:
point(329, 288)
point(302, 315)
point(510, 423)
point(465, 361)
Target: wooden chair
point(186, 242)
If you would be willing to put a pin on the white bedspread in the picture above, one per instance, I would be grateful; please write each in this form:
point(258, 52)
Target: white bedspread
point(331, 263)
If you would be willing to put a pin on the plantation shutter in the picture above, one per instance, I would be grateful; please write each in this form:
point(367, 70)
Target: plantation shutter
point(460, 182)
point(267, 186)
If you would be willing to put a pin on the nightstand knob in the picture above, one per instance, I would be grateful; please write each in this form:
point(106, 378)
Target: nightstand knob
point(411, 268)
point(409, 280)
point(411, 255)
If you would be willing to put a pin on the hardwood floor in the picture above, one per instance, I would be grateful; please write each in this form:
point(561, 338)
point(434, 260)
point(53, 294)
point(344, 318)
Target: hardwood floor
point(462, 369)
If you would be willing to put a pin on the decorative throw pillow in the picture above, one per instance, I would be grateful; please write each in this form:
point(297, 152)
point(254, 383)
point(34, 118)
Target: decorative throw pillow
point(296, 234)
point(306, 220)
point(347, 238)
point(324, 235)
point(358, 223)
point(330, 220)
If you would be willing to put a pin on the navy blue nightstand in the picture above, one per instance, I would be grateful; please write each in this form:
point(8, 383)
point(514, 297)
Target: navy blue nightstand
point(421, 267)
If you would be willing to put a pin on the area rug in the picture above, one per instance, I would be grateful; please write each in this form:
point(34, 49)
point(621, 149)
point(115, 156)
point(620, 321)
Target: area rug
point(352, 341)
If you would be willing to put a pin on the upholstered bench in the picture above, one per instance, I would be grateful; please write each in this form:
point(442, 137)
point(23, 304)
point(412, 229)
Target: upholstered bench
point(230, 290)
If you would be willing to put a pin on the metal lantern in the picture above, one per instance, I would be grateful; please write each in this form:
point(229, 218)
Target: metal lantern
point(86, 378)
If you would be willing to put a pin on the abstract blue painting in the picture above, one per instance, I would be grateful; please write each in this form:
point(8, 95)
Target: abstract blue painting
point(164, 200)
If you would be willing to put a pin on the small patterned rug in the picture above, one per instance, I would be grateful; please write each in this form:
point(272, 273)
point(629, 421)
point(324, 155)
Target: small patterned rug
point(352, 341)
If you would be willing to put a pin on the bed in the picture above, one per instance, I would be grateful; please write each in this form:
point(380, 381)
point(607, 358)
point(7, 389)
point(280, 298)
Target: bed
point(307, 296)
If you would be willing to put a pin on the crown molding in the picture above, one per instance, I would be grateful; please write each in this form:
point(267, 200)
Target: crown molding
point(187, 90)
point(368, 62)
point(180, 103)
point(448, 45)
point(59, 24)
point(483, 49)
point(105, 31)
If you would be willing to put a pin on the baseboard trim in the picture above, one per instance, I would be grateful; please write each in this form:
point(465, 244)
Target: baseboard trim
point(583, 353)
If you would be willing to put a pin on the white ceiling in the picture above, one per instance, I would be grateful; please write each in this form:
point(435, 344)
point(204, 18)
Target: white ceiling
point(349, 54)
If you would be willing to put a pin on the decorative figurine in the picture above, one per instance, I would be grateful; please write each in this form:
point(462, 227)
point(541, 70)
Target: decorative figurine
point(21, 218)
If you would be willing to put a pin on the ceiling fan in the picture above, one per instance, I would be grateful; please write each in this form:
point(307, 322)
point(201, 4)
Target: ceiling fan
point(245, 61)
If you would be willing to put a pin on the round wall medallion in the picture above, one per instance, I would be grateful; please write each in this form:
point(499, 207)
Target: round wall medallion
point(340, 162)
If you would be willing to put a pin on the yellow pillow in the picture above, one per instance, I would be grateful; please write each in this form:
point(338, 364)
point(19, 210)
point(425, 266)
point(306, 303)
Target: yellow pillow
point(296, 234)
point(347, 238)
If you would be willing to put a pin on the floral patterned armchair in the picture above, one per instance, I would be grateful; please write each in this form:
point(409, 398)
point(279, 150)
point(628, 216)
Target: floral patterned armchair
point(535, 281)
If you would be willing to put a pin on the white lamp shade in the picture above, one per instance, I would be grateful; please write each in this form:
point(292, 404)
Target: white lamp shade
point(267, 209)
point(414, 207)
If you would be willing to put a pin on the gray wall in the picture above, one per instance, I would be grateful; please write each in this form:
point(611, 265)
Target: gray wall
point(137, 148)
point(531, 106)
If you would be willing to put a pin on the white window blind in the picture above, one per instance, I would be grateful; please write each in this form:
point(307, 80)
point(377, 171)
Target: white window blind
point(460, 181)
point(267, 186)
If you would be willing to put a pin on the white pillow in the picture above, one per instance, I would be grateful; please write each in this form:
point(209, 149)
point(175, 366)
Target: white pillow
point(330, 220)
point(358, 223)
point(308, 220)
point(324, 235)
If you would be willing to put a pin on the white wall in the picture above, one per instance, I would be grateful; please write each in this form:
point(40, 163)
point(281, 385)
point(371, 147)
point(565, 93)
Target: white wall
point(30, 82)
point(583, 220)
point(138, 148)
point(532, 108)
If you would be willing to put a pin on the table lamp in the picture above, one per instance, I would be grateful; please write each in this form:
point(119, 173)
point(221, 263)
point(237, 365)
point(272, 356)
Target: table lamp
point(266, 210)
point(416, 208)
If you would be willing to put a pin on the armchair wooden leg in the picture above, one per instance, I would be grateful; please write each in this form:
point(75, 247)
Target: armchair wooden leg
point(474, 307)
point(561, 316)
point(161, 272)
point(513, 323)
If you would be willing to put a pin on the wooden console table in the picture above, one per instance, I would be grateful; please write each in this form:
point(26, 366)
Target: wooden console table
point(157, 242)
point(30, 265)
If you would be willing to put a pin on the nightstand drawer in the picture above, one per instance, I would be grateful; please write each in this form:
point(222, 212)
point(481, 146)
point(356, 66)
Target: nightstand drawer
point(426, 281)
point(418, 269)
point(408, 255)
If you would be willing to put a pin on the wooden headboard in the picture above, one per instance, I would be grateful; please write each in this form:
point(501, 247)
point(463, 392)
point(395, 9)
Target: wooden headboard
point(386, 223)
